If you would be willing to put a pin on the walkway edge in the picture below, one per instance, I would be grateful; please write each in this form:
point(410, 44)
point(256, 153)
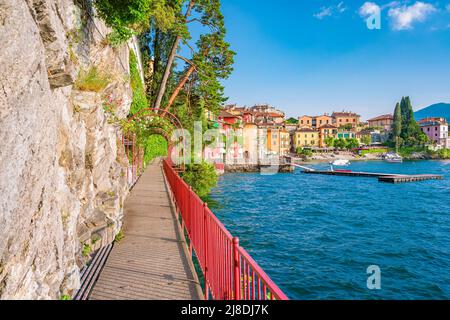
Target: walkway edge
point(182, 237)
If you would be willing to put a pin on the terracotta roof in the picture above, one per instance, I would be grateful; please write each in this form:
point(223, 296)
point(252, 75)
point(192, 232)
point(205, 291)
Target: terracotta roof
point(433, 122)
point(226, 114)
point(384, 116)
point(344, 114)
point(306, 130)
point(328, 126)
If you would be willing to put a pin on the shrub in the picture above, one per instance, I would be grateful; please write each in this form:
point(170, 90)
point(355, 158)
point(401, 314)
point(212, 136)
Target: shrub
point(304, 152)
point(201, 177)
point(155, 146)
point(139, 98)
point(91, 80)
point(119, 236)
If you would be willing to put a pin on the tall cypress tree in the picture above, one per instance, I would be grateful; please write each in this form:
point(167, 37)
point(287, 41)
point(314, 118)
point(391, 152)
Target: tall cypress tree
point(397, 127)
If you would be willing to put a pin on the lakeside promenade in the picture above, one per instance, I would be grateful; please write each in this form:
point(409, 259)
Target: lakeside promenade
point(151, 262)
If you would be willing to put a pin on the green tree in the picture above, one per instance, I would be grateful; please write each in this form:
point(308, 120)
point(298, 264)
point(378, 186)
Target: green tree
point(291, 121)
point(397, 126)
point(406, 131)
point(128, 17)
point(352, 143)
point(366, 140)
point(211, 58)
point(329, 141)
point(303, 151)
point(341, 144)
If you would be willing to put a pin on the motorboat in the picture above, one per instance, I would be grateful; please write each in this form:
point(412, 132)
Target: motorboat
point(393, 157)
point(340, 162)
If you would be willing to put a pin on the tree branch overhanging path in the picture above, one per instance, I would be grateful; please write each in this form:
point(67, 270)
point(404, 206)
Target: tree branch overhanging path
point(212, 61)
point(173, 53)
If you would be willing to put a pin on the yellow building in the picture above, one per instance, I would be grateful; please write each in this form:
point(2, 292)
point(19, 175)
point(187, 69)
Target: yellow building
point(325, 131)
point(306, 137)
point(285, 142)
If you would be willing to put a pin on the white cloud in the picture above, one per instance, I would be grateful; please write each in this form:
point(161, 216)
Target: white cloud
point(324, 12)
point(368, 9)
point(403, 17)
point(331, 10)
point(341, 7)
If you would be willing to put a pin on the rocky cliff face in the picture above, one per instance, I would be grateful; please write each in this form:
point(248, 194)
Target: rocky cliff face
point(62, 165)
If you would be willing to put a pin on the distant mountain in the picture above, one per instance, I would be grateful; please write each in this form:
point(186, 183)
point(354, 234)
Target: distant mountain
point(441, 110)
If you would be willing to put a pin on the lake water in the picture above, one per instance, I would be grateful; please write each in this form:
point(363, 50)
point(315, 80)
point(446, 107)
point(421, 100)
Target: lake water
point(316, 235)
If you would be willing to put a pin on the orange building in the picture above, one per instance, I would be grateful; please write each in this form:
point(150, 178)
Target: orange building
point(305, 121)
point(315, 121)
point(327, 130)
point(345, 118)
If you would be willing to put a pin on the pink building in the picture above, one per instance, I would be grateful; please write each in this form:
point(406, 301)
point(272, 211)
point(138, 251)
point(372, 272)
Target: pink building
point(437, 131)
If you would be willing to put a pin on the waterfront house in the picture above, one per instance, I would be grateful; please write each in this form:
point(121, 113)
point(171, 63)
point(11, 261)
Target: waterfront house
point(346, 118)
point(251, 143)
point(327, 130)
point(285, 142)
point(436, 130)
point(273, 138)
point(323, 120)
point(384, 122)
point(305, 121)
point(315, 121)
point(306, 137)
point(346, 134)
point(265, 113)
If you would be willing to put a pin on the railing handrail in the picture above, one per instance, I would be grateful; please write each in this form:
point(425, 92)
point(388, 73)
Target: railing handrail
point(228, 269)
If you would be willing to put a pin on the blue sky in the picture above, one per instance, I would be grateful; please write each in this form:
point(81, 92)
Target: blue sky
point(313, 56)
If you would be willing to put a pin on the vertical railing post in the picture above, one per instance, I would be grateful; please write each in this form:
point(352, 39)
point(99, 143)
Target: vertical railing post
point(237, 272)
point(205, 243)
point(189, 215)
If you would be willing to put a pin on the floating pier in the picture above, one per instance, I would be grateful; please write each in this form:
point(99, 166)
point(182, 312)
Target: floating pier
point(382, 177)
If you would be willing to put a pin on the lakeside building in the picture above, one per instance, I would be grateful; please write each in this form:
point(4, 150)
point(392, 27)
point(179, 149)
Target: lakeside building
point(436, 130)
point(346, 134)
point(384, 122)
point(306, 137)
point(285, 142)
point(325, 131)
point(346, 118)
point(251, 142)
point(315, 121)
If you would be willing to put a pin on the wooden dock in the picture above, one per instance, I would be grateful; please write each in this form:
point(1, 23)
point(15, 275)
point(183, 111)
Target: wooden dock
point(382, 177)
point(152, 261)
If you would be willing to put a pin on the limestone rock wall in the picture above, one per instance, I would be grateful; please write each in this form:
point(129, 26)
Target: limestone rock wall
point(62, 164)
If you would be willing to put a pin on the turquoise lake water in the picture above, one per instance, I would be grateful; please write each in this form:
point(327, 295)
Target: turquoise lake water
point(316, 235)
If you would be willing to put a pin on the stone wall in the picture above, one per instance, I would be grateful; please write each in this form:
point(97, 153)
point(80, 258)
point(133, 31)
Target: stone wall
point(62, 166)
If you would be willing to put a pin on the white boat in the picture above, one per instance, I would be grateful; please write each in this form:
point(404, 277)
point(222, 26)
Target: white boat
point(340, 162)
point(393, 157)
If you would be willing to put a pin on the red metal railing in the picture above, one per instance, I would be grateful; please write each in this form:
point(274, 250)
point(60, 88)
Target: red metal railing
point(135, 156)
point(229, 271)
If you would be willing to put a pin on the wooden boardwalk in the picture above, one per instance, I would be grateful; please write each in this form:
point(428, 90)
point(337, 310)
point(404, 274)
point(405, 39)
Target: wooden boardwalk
point(151, 262)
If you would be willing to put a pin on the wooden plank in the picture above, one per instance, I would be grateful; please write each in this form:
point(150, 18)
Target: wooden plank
point(152, 261)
